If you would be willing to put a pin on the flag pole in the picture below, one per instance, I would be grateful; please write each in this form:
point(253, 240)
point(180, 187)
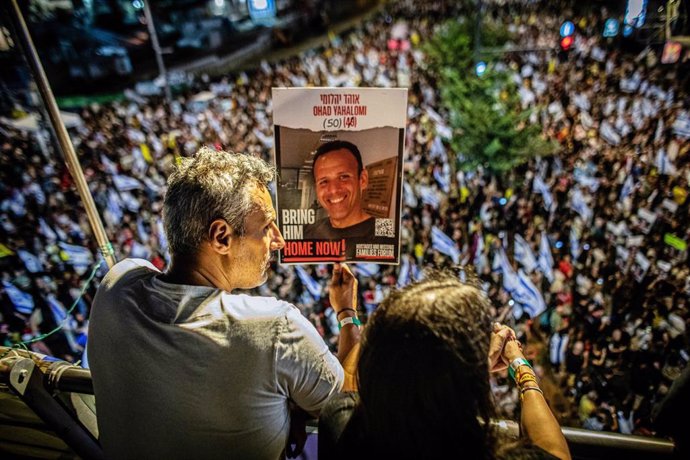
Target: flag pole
point(63, 139)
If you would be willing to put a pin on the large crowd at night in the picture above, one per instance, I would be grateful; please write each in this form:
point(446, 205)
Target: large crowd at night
point(614, 334)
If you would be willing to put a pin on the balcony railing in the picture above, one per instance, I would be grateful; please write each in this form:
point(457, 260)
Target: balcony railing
point(55, 398)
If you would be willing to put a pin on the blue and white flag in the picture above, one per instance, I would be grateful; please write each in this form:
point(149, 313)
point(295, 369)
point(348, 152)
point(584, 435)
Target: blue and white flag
point(125, 183)
point(443, 179)
point(524, 254)
point(545, 260)
point(78, 256)
point(510, 279)
point(141, 230)
point(529, 296)
point(404, 272)
point(438, 151)
point(444, 244)
point(109, 166)
point(46, 230)
point(139, 251)
point(63, 319)
point(681, 126)
point(479, 260)
point(627, 189)
point(409, 196)
point(22, 301)
point(585, 179)
point(308, 282)
point(574, 243)
point(429, 196)
point(31, 262)
point(540, 186)
point(113, 210)
point(664, 164)
point(579, 206)
point(367, 269)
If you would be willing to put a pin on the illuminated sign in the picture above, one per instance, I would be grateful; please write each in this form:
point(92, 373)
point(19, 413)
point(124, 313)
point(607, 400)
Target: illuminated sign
point(567, 29)
point(611, 27)
point(262, 11)
point(636, 13)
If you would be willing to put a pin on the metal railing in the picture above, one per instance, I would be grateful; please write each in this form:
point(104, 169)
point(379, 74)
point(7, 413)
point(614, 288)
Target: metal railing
point(39, 382)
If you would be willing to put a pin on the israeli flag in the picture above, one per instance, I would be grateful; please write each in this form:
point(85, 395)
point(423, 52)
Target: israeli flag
point(444, 244)
point(366, 269)
point(141, 230)
point(540, 186)
point(443, 179)
point(309, 283)
point(524, 254)
point(125, 183)
point(78, 256)
point(31, 262)
point(429, 196)
point(574, 243)
point(63, 319)
point(46, 231)
point(530, 297)
point(511, 281)
point(113, 210)
point(627, 189)
point(139, 251)
point(479, 260)
point(578, 205)
point(545, 260)
point(109, 166)
point(22, 301)
point(663, 164)
point(557, 166)
point(409, 196)
point(681, 127)
point(609, 134)
point(438, 151)
point(404, 272)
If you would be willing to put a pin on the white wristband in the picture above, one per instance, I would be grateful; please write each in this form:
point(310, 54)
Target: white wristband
point(349, 320)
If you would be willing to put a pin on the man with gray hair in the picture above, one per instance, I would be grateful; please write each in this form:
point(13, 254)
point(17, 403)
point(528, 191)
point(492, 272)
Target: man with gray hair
point(183, 367)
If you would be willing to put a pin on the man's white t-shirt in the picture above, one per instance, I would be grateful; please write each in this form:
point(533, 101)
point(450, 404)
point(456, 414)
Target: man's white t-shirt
point(194, 372)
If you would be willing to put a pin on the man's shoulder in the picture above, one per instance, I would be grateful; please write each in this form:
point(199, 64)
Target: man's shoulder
point(128, 267)
point(247, 306)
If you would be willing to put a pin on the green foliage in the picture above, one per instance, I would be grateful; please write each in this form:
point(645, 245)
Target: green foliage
point(489, 127)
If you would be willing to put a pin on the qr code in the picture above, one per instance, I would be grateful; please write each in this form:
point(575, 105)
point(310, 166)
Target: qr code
point(384, 227)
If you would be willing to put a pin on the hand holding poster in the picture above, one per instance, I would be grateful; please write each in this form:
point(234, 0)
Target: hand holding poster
point(339, 155)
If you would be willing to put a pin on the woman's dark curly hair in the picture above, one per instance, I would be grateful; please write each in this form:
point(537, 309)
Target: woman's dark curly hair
point(423, 371)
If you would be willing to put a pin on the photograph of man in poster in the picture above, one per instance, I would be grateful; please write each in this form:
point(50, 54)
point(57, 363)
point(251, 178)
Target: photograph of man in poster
point(339, 181)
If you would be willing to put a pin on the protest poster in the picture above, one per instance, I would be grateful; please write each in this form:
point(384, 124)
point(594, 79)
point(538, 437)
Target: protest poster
point(622, 258)
point(640, 265)
point(647, 219)
point(339, 156)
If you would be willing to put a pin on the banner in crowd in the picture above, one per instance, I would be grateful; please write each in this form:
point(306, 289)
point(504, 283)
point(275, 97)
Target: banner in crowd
point(339, 155)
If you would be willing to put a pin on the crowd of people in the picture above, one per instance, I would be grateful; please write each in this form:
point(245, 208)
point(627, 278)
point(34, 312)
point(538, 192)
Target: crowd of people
point(611, 203)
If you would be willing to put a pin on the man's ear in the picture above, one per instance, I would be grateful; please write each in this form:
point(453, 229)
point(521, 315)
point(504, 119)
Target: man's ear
point(220, 236)
point(363, 179)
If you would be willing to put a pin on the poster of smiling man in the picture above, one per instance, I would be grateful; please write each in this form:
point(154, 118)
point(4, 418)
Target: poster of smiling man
point(339, 155)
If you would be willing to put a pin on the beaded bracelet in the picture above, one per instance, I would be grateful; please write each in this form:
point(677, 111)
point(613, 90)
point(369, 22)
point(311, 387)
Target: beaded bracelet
point(526, 389)
point(526, 378)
